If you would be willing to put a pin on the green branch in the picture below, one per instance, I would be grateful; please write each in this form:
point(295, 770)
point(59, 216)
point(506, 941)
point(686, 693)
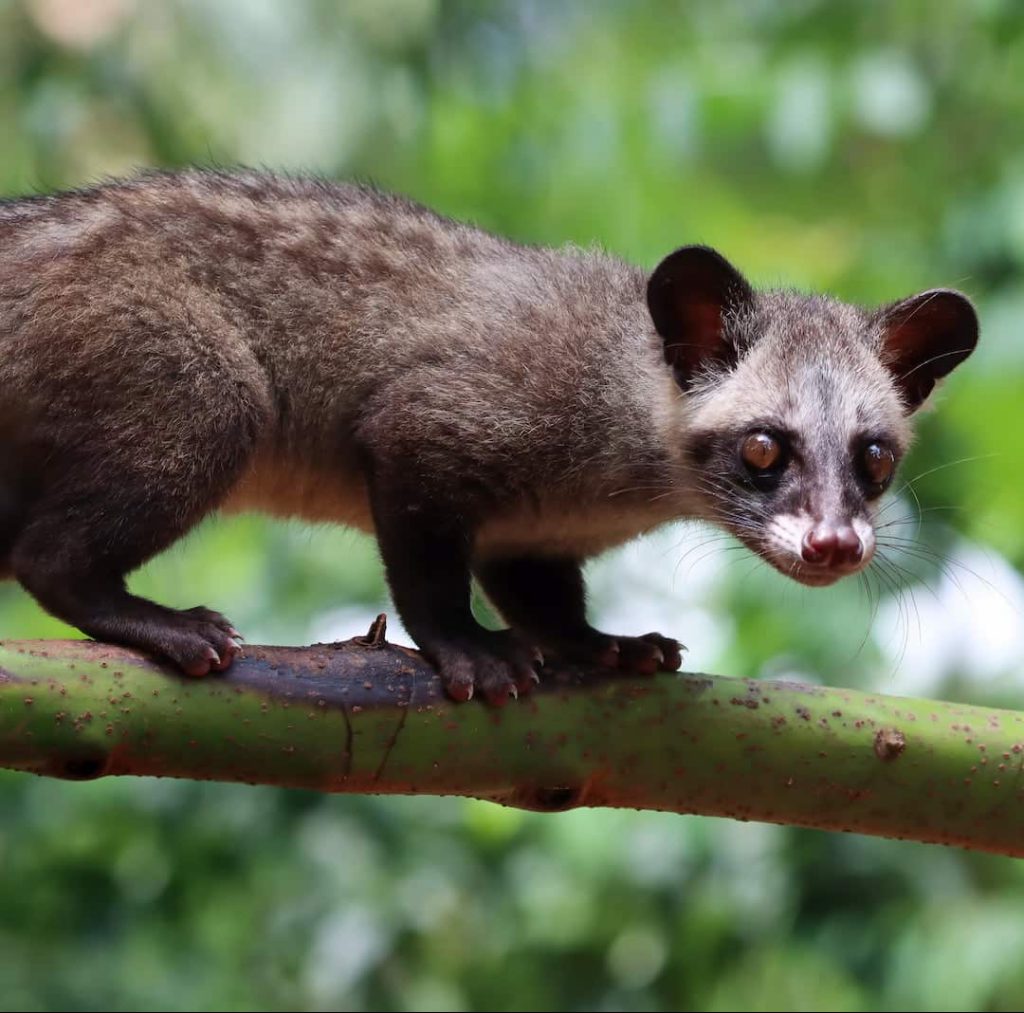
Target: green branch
point(365, 716)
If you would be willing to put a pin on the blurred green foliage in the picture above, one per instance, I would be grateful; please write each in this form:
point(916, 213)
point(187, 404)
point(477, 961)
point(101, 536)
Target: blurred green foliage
point(868, 149)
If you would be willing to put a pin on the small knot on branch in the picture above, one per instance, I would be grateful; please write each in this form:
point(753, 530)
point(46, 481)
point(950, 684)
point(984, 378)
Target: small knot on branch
point(549, 798)
point(889, 744)
point(85, 766)
point(376, 635)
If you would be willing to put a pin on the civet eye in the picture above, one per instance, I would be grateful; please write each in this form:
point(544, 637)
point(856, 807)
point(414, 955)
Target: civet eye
point(877, 464)
point(761, 452)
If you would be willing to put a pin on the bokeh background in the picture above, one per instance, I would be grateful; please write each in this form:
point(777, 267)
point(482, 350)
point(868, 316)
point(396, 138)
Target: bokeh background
point(869, 149)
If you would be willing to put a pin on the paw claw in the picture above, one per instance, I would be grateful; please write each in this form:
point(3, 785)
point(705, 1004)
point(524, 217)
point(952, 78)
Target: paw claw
point(497, 663)
point(671, 651)
point(639, 655)
point(198, 640)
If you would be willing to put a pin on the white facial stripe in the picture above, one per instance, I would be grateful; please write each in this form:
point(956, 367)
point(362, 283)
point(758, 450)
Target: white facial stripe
point(866, 533)
point(785, 536)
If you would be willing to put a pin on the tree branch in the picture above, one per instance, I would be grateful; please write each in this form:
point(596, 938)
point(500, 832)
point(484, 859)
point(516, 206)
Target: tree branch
point(365, 716)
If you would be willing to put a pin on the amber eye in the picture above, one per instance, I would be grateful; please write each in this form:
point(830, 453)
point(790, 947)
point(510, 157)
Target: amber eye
point(761, 452)
point(877, 463)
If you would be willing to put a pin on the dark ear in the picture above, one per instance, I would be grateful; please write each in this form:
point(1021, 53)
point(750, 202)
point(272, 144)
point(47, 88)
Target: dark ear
point(689, 295)
point(924, 338)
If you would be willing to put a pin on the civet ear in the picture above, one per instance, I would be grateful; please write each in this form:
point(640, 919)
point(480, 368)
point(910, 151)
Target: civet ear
point(925, 337)
point(689, 296)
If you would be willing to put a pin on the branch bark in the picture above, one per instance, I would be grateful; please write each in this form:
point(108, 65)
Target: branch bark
point(366, 716)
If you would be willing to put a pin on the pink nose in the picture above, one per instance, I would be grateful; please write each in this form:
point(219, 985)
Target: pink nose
point(825, 545)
